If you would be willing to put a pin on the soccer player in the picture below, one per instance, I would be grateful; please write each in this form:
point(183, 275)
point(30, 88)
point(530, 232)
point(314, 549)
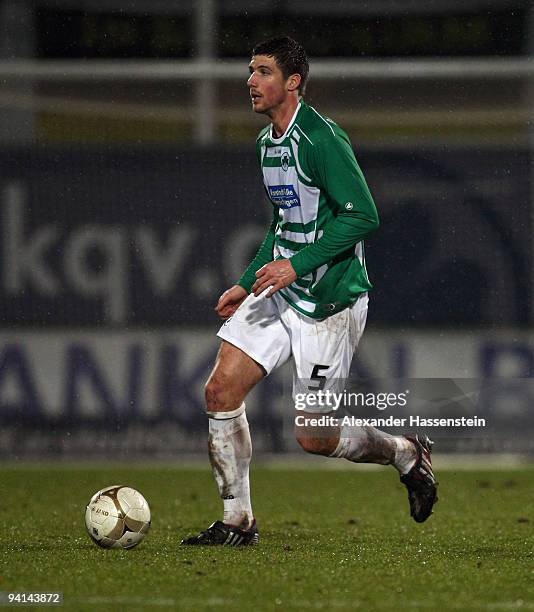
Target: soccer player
point(304, 296)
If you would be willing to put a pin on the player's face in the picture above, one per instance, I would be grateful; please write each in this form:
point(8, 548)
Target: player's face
point(267, 85)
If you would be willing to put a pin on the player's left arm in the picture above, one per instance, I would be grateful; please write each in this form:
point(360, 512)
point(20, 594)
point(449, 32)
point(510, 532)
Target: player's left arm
point(339, 174)
point(276, 275)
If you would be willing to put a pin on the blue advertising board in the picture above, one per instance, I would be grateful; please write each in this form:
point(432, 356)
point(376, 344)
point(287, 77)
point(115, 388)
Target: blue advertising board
point(151, 237)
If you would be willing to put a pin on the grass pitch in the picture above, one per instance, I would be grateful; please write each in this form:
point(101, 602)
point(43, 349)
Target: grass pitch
point(330, 540)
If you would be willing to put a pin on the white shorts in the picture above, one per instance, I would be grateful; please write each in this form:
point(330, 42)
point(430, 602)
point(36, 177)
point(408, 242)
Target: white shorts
point(270, 332)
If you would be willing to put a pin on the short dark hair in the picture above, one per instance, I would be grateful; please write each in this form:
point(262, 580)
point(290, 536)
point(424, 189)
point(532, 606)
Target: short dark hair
point(289, 55)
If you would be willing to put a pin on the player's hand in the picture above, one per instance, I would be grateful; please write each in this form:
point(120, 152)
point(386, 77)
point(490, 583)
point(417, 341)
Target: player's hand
point(276, 275)
point(230, 301)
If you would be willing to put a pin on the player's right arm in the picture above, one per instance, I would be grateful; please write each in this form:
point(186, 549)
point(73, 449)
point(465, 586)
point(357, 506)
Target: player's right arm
point(265, 253)
point(231, 299)
point(263, 256)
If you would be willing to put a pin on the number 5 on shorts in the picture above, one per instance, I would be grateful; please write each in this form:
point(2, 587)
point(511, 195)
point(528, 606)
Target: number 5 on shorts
point(320, 378)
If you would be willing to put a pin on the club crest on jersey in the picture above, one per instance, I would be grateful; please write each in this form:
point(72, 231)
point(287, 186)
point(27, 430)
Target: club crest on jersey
point(285, 159)
point(284, 196)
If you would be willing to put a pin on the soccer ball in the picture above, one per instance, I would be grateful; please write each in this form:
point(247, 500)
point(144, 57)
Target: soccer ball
point(117, 517)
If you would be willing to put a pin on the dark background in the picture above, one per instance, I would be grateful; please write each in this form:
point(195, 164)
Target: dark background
point(121, 221)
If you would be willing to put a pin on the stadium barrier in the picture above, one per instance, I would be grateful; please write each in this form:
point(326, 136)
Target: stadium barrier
point(72, 393)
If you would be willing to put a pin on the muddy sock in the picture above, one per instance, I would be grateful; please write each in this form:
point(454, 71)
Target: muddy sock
point(230, 451)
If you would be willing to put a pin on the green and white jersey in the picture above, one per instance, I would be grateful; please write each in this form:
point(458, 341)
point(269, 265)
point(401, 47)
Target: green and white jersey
point(322, 211)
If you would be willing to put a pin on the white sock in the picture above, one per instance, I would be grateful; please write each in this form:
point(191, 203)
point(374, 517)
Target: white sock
point(405, 455)
point(230, 451)
point(370, 445)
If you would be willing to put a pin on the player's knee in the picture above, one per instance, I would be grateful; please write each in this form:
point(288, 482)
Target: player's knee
point(316, 446)
point(218, 395)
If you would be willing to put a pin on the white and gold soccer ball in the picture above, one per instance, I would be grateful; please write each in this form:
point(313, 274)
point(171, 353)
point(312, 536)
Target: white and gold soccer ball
point(117, 517)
